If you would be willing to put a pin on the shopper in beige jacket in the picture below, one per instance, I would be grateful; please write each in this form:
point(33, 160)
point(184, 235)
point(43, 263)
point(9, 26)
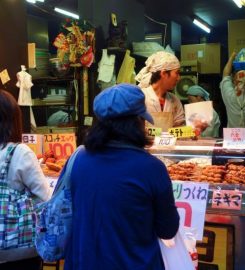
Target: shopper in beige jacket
point(24, 173)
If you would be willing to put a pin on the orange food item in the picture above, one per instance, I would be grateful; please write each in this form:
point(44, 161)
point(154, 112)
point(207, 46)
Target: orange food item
point(51, 160)
point(53, 166)
point(39, 156)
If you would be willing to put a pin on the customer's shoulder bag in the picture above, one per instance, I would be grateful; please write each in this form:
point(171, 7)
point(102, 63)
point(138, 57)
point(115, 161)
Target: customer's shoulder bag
point(54, 222)
point(17, 215)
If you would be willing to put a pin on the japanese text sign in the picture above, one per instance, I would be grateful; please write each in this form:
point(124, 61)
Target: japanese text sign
point(34, 141)
point(234, 138)
point(182, 132)
point(63, 144)
point(227, 199)
point(191, 200)
point(152, 131)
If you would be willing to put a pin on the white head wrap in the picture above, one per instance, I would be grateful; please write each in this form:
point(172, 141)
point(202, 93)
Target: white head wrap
point(157, 61)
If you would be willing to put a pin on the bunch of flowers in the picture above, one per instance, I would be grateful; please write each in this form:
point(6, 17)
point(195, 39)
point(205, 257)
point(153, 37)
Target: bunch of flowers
point(75, 44)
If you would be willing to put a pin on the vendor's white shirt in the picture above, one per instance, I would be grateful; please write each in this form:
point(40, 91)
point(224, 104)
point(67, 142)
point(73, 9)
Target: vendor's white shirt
point(235, 106)
point(24, 171)
point(172, 104)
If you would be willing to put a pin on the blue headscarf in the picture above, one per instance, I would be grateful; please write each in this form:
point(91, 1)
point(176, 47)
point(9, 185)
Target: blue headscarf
point(197, 90)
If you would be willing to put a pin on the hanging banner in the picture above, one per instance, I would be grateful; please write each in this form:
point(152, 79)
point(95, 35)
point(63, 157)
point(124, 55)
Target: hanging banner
point(191, 200)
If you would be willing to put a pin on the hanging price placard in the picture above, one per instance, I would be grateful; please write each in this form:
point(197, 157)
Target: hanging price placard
point(153, 131)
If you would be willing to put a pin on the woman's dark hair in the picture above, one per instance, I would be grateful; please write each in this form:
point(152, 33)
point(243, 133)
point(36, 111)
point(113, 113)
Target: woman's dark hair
point(10, 119)
point(127, 129)
point(156, 76)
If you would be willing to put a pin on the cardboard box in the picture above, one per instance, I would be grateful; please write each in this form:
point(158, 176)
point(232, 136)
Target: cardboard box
point(207, 54)
point(236, 35)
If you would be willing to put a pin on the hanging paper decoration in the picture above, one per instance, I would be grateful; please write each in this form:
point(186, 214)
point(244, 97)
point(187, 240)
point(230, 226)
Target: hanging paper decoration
point(75, 44)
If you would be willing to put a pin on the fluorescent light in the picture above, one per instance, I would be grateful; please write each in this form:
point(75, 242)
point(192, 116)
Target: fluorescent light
point(68, 13)
point(34, 1)
point(238, 3)
point(202, 25)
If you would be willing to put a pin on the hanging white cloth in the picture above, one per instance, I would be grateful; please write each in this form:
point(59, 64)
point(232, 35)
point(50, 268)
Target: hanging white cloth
point(24, 82)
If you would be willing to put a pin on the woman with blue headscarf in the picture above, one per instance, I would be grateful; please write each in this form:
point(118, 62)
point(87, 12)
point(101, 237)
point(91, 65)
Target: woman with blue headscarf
point(196, 94)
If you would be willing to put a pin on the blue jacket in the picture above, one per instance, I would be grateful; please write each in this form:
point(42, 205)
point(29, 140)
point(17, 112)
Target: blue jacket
point(122, 202)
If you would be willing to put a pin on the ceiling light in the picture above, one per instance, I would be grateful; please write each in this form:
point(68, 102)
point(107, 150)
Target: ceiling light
point(238, 3)
point(202, 25)
point(34, 1)
point(67, 13)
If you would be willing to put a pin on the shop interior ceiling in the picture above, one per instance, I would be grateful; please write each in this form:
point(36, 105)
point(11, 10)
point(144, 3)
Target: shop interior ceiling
point(215, 12)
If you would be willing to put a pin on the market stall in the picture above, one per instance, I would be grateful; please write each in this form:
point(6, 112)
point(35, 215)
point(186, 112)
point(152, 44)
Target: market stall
point(191, 163)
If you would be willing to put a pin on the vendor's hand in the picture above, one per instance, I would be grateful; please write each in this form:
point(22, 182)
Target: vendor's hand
point(233, 55)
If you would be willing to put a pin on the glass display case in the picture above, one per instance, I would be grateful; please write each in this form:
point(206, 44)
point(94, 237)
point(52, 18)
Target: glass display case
point(205, 160)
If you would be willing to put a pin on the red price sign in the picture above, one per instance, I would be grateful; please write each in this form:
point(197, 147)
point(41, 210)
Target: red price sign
point(63, 145)
point(227, 199)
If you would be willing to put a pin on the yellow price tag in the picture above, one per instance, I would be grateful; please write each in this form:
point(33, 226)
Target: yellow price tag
point(182, 132)
point(152, 131)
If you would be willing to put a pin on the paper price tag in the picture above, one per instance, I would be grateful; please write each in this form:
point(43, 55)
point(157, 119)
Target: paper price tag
point(234, 138)
point(227, 199)
point(88, 120)
point(182, 132)
point(63, 145)
point(34, 141)
point(152, 131)
point(165, 141)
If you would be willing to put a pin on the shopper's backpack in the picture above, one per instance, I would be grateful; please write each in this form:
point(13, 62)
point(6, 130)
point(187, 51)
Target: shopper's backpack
point(17, 215)
point(55, 221)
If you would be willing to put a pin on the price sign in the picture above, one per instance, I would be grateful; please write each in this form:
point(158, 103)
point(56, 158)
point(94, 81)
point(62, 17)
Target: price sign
point(165, 140)
point(191, 199)
point(152, 131)
point(34, 141)
point(234, 138)
point(88, 120)
point(63, 145)
point(227, 199)
point(182, 132)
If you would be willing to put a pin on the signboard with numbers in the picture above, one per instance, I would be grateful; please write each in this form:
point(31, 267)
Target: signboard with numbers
point(182, 132)
point(34, 141)
point(63, 145)
point(191, 200)
point(234, 138)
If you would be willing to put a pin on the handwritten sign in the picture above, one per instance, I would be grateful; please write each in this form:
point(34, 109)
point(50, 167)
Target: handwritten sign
point(164, 140)
point(34, 141)
point(153, 131)
point(227, 199)
point(63, 145)
point(191, 200)
point(234, 138)
point(182, 132)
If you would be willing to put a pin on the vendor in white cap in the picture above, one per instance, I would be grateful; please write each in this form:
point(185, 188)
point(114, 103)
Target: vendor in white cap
point(196, 94)
point(232, 90)
point(157, 79)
